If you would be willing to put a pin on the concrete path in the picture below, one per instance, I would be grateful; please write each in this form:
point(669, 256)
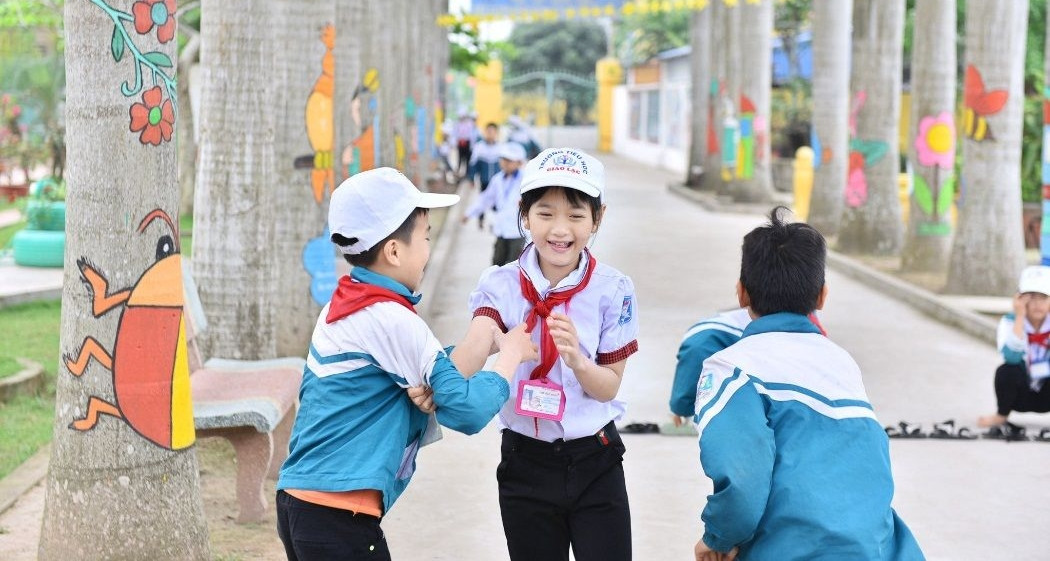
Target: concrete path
point(963, 500)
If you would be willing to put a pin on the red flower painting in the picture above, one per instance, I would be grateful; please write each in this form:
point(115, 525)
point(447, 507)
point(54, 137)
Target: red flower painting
point(155, 13)
point(155, 119)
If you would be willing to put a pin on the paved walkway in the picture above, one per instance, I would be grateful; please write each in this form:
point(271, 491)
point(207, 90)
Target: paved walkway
point(963, 500)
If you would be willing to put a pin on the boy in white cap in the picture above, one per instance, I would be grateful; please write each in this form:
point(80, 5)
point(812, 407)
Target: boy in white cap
point(503, 195)
point(1023, 338)
point(354, 443)
point(561, 480)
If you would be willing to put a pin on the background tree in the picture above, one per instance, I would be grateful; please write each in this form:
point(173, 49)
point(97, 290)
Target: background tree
point(233, 212)
point(189, 55)
point(700, 95)
point(716, 96)
point(988, 250)
point(753, 181)
point(565, 46)
point(641, 36)
point(831, 48)
point(122, 483)
point(871, 221)
point(932, 137)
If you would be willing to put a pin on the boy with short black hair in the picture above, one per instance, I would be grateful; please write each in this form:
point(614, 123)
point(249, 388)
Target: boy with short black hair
point(354, 443)
point(800, 464)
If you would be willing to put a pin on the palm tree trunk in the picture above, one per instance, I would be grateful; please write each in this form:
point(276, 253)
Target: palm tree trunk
point(233, 234)
point(933, 131)
point(700, 98)
point(988, 250)
point(716, 98)
point(831, 40)
point(123, 478)
point(752, 181)
point(871, 222)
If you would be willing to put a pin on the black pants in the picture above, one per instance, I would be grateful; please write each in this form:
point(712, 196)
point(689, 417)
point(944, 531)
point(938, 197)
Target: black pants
point(553, 494)
point(463, 163)
point(314, 532)
point(507, 250)
point(1013, 392)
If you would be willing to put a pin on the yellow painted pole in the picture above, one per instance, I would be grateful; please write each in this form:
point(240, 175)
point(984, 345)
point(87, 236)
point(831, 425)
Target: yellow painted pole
point(802, 183)
point(488, 93)
point(609, 74)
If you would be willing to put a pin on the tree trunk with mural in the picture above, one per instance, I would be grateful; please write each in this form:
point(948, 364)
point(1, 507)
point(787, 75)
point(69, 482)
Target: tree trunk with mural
point(988, 250)
point(700, 96)
point(871, 221)
point(730, 135)
point(829, 136)
point(751, 176)
point(1044, 234)
point(123, 477)
point(931, 138)
point(712, 180)
point(304, 112)
point(233, 236)
point(351, 32)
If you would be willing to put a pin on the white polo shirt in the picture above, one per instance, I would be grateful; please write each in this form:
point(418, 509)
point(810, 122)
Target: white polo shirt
point(606, 321)
point(503, 193)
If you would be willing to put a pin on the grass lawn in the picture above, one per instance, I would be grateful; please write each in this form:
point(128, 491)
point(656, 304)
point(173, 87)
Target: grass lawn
point(8, 232)
point(27, 421)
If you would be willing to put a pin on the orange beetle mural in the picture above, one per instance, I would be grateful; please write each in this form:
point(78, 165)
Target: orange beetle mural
point(149, 363)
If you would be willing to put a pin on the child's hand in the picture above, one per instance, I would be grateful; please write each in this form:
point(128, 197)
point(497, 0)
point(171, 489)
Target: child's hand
point(704, 553)
point(1020, 305)
point(517, 342)
point(563, 331)
point(423, 398)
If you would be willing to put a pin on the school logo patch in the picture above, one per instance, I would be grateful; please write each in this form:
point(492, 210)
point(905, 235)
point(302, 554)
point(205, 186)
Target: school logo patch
point(704, 388)
point(626, 310)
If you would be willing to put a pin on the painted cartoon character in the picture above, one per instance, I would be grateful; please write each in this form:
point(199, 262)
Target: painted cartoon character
point(320, 123)
point(862, 154)
point(149, 363)
point(979, 104)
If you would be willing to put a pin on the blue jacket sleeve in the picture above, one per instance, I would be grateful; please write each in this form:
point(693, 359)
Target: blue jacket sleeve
point(466, 404)
point(737, 452)
point(691, 356)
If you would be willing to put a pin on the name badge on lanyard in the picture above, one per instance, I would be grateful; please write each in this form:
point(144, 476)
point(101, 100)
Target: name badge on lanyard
point(540, 398)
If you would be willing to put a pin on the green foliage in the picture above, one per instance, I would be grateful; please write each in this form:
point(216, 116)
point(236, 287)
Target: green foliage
point(468, 51)
point(561, 46)
point(27, 421)
point(639, 37)
point(20, 14)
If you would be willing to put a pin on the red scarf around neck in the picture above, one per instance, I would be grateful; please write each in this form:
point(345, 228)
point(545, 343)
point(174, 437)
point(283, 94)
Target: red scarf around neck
point(351, 296)
point(541, 309)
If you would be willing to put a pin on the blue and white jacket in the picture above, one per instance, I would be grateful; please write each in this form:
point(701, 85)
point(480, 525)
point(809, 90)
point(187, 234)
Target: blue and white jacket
point(702, 340)
point(356, 427)
point(800, 464)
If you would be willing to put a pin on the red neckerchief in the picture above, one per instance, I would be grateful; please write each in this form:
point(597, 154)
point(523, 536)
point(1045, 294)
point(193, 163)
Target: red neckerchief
point(1039, 339)
point(542, 308)
point(351, 296)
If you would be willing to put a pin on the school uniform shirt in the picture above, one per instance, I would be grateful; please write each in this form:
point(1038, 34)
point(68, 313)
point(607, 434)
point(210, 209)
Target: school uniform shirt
point(800, 464)
point(1031, 352)
point(484, 161)
point(503, 193)
point(606, 321)
point(702, 340)
point(356, 427)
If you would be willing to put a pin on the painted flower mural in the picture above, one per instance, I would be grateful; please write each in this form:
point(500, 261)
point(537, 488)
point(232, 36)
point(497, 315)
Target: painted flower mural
point(935, 144)
point(935, 148)
point(155, 13)
point(154, 117)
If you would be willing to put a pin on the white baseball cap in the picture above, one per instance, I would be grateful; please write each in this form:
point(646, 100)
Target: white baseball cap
point(372, 204)
point(1035, 279)
point(512, 151)
point(564, 167)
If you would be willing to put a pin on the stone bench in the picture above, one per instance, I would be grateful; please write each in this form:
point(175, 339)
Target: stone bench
point(251, 403)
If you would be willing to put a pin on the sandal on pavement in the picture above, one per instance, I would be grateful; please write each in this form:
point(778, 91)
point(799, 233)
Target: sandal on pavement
point(947, 431)
point(906, 430)
point(1008, 432)
point(1043, 436)
point(640, 428)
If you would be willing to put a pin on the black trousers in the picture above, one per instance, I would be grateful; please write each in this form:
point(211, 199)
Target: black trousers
point(556, 494)
point(507, 250)
point(1013, 392)
point(315, 532)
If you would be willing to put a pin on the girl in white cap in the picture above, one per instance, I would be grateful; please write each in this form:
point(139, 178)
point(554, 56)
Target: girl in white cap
point(1023, 339)
point(561, 479)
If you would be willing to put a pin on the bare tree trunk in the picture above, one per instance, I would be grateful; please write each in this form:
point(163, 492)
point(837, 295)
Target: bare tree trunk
point(700, 77)
point(931, 149)
point(753, 181)
point(831, 40)
point(123, 478)
point(988, 250)
point(871, 222)
point(233, 216)
point(185, 135)
point(304, 111)
point(717, 97)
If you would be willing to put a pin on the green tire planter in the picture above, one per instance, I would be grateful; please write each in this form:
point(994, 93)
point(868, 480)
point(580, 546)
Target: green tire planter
point(46, 215)
point(39, 248)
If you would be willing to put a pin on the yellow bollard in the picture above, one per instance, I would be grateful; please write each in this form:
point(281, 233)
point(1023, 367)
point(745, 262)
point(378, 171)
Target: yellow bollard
point(802, 183)
point(904, 193)
point(609, 74)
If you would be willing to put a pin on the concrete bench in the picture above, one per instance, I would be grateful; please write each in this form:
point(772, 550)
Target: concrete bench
point(251, 403)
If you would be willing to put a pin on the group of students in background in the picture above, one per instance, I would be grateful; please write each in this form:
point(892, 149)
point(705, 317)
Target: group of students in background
point(800, 466)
